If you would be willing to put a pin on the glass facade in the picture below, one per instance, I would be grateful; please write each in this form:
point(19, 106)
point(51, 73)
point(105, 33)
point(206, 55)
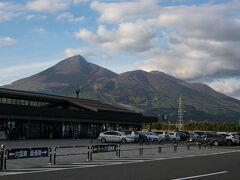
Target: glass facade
point(37, 119)
point(24, 129)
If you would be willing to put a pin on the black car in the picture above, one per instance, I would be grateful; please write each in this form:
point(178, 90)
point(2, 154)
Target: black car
point(184, 135)
point(213, 139)
point(200, 133)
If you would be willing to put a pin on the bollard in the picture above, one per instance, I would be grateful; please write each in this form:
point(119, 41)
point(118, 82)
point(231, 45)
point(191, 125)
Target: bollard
point(141, 150)
point(211, 146)
point(175, 147)
point(90, 149)
point(91, 153)
point(199, 145)
point(55, 155)
point(88, 155)
point(188, 146)
point(50, 156)
point(159, 149)
point(2, 157)
point(5, 158)
point(118, 151)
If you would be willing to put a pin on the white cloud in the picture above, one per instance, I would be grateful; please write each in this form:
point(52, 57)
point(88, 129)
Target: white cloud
point(185, 41)
point(70, 17)
point(81, 1)
point(229, 86)
point(122, 11)
point(35, 17)
point(48, 5)
point(7, 41)
point(131, 37)
point(9, 10)
point(86, 53)
point(13, 73)
point(39, 30)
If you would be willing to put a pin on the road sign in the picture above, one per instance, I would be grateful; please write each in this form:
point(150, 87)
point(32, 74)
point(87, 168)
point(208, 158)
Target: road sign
point(104, 148)
point(27, 153)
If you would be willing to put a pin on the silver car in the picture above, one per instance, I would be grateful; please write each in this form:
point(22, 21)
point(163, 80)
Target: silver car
point(132, 134)
point(114, 136)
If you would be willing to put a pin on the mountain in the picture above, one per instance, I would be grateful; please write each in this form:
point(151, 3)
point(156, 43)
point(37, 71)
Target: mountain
point(152, 93)
point(64, 76)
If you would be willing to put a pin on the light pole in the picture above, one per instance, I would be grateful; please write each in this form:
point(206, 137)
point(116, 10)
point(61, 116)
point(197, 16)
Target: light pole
point(77, 92)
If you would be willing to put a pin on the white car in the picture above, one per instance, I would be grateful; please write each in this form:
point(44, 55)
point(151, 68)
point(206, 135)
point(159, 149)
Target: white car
point(162, 134)
point(151, 136)
point(154, 137)
point(231, 138)
point(174, 136)
point(114, 136)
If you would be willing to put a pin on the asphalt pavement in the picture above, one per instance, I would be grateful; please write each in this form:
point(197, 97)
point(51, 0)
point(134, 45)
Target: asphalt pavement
point(216, 165)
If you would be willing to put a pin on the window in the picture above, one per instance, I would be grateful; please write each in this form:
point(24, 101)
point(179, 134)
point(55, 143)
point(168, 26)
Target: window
point(115, 134)
point(9, 101)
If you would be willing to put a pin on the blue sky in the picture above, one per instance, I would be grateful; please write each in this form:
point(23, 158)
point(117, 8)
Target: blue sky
point(190, 39)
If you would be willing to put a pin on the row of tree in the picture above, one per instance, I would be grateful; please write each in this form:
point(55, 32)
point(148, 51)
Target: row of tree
point(202, 125)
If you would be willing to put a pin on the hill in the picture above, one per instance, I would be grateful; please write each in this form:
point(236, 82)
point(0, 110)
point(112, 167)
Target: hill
point(152, 93)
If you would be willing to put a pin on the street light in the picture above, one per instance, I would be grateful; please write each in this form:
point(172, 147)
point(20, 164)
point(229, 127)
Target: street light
point(77, 92)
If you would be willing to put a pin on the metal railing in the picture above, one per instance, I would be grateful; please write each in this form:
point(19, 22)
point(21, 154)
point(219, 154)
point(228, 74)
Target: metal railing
point(52, 154)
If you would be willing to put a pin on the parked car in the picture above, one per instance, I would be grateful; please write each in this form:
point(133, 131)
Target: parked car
point(142, 137)
point(149, 137)
point(174, 136)
point(114, 136)
point(154, 137)
point(162, 134)
point(214, 139)
point(193, 136)
point(231, 138)
point(199, 133)
point(184, 135)
point(132, 134)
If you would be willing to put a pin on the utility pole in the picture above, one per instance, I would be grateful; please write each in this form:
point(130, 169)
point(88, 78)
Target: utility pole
point(180, 115)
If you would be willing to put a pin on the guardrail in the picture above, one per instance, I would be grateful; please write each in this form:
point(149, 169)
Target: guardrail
point(67, 154)
point(52, 154)
point(23, 153)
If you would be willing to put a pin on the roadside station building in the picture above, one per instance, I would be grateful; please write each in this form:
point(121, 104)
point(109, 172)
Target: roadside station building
point(28, 115)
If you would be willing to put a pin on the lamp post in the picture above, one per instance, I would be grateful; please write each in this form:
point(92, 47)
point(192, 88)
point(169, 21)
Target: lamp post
point(77, 92)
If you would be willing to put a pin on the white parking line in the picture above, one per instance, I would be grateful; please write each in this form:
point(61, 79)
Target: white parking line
point(203, 175)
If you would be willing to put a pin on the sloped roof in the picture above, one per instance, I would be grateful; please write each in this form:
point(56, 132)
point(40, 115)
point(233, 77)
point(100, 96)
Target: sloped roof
point(92, 105)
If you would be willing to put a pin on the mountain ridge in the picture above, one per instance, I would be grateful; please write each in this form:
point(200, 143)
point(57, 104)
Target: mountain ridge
point(152, 92)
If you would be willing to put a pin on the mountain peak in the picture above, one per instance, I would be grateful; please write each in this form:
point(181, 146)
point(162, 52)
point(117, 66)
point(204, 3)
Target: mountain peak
point(78, 58)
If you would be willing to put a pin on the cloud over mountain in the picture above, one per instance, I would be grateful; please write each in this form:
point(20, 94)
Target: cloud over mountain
point(188, 41)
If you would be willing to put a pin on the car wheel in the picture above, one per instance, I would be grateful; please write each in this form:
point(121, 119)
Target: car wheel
point(155, 140)
point(215, 143)
point(229, 143)
point(103, 140)
point(123, 141)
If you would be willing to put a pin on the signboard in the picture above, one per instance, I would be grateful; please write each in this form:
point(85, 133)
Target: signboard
point(27, 153)
point(104, 148)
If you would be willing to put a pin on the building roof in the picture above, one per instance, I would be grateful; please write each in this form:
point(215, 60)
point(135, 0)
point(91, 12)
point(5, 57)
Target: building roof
point(92, 105)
